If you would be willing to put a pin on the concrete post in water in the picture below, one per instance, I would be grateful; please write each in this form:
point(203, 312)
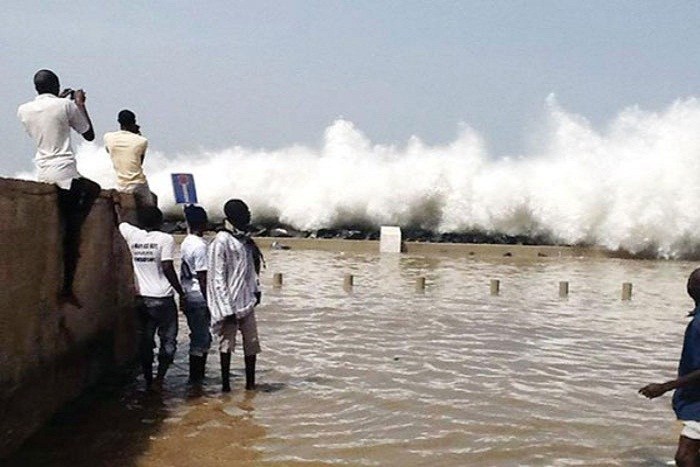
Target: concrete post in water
point(495, 286)
point(390, 239)
point(277, 280)
point(348, 282)
point(563, 289)
point(627, 291)
point(420, 284)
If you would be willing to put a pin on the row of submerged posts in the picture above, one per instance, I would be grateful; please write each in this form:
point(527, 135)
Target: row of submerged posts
point(495, 285)
point(564, 289)
point(390, 241)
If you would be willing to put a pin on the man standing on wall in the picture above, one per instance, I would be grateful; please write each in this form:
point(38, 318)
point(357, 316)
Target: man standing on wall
point(152, 253)
point(48, 119)
point(232, 291)
point(193, 275)
point(127, 148)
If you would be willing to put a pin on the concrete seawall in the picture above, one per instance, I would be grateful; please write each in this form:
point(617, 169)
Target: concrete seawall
point(49, 353)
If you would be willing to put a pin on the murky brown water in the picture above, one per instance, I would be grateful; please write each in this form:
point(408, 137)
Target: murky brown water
point(386, 376)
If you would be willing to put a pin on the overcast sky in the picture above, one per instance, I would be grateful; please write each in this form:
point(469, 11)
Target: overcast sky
point(209, 75)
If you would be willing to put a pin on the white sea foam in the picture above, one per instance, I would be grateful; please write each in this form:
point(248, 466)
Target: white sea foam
point(631, 185)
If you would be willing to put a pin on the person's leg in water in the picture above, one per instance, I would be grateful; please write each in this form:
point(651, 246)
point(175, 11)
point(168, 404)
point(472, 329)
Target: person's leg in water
point(227, 341)
point(74, 206)
point(251, 348)
point(146, 333)
point(688, 453)
point(225, 371)
point(167, 334)
point(250, 372)
point(198, 320)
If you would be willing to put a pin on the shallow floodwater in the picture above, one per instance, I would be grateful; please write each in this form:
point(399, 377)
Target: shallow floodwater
point(388, 376)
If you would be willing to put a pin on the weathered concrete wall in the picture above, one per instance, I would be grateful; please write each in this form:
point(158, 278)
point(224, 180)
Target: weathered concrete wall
point(49, 353)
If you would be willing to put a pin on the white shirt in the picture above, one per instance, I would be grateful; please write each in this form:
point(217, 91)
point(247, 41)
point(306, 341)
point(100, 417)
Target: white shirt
point(148, 251)
point(193, 252)
point(231, 280)
point(126, 150)
point(48, 120)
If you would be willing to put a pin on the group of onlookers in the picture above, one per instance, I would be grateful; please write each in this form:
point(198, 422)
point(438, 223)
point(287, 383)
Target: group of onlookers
point(217, 289)
point(218, 283)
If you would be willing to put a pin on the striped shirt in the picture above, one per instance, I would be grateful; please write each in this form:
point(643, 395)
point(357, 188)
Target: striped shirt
point(231, 280)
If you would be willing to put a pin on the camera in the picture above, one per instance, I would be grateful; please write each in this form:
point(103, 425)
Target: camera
point(69, 93)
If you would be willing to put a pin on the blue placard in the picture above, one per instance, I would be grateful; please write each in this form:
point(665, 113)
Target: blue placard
point(183, 187)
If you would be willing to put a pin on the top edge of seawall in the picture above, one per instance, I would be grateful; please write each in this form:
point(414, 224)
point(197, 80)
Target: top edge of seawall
point(26, 186)
point(30, 187)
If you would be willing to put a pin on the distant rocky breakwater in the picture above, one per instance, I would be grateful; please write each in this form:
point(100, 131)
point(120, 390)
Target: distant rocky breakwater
point(423, 241)
point(408, 234)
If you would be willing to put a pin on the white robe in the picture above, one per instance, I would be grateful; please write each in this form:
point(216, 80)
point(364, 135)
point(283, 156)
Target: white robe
point(231, 281)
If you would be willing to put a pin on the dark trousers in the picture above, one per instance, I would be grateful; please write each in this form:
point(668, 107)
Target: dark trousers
point(74, 206)
point(157, 315)
point(198, 320)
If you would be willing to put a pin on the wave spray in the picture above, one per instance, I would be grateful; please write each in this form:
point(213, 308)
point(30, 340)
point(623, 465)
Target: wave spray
point(633, 185)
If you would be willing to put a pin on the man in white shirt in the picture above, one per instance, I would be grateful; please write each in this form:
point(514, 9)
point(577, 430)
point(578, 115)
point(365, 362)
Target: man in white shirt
point(48, 119)
point(232, 291)
point(193, 276)
point(152, 254)
point(127, 148)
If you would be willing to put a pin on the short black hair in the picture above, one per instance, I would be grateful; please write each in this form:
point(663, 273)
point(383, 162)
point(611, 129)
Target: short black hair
point(46, 81)
point(237, 213)
point(126, 117)
point(150, 217)
point(196, 216)
point(694, 285)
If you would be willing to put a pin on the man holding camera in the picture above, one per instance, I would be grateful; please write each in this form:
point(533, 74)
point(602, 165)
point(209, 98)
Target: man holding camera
point(48, 119)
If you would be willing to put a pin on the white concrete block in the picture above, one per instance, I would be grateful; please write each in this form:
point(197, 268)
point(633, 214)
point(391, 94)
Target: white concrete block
point(390, 239)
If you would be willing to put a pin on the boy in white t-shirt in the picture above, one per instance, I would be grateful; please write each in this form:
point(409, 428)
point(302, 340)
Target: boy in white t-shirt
point(193, 276)
point(152, 254)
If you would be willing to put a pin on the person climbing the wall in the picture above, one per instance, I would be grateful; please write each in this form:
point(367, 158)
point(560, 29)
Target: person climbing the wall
point(48, 119)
